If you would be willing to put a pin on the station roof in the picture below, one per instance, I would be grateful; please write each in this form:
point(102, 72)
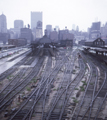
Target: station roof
point(44, 40)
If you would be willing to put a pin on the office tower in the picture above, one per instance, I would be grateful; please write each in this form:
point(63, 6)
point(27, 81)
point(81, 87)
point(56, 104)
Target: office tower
point(26, 33)
point(3, 24)
point(73, 27)
point(95, 30)
point(96, 26)
point(18, 24)
point(77, 29)
point(57, 28)
point(48, 29)
point(39, 30)
point(35, 17)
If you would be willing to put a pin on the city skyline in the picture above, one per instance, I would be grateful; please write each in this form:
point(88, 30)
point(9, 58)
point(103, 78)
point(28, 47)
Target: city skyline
point(56, 12)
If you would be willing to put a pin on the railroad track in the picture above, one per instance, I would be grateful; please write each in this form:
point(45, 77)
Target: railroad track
point(57, 111)
point(94, 96)
point(20, 83)
point(36, 95)
point(13, 69)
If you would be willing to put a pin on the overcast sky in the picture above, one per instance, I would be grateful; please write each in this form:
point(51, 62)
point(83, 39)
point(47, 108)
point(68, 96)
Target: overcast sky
point(56, 12)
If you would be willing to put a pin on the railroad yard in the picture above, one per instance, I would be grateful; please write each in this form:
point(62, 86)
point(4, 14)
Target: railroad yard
point(71, 85)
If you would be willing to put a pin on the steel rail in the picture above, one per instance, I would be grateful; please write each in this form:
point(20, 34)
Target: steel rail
point(31, 75)
point(54, 104)
point(42, 91)
point(92, 102)
point(99, 109)
point(62, 111)
point(90, 110)
point(14, 86)
point(36, 90)
point(44, 87)
point(11, 81)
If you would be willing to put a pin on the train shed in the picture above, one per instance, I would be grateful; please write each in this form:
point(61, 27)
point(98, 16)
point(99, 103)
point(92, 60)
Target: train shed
point(45, 41)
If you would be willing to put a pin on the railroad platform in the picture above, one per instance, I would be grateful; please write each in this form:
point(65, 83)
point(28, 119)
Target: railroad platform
point(6, 63)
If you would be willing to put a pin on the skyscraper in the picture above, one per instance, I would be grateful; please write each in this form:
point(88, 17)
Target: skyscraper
point(73, 27)
point(3, 24)
point(18, 24)
point(95, 30)
point(48, 29)
point(35, 17)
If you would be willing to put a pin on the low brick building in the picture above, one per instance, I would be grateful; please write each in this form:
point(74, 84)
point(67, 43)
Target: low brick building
point(17, 42)
point(95, 43)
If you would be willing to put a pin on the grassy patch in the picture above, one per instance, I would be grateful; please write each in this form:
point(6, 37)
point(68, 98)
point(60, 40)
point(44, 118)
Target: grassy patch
point(18, 103)
point(84, 83)
point(34, 80)
point(76, 89)
point(54, 89)
point(73, 97)
point(82, 88)
point(75, 101)
point(94, 75)
point(28, 88)
point(91, 83)
point(73, 71)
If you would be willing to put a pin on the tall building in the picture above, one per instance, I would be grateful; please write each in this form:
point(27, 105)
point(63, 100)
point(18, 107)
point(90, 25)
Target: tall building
point(96, 26)
point(73, 27)
point(3, 24)
point(15, 32)
point(18, 24)
point(39, 30)
point(65, 35)
point(77, 29)
point(26, 33)
point(35, 17)
point(95, 30)
point(57, 28)
point(48, 29)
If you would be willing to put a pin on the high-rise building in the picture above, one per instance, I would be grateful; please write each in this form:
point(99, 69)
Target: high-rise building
point(95, 30)
point(96, 26)
point(77, 29)
point(27, 34)
point(35, 17)
point(39, 30)
point(73, 27)
point(18, 24)
point(48, 29)
point(3, 24)
point(57, 28)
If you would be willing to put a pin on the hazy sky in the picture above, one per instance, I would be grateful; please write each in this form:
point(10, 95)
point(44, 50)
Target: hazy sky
point(56, 12)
